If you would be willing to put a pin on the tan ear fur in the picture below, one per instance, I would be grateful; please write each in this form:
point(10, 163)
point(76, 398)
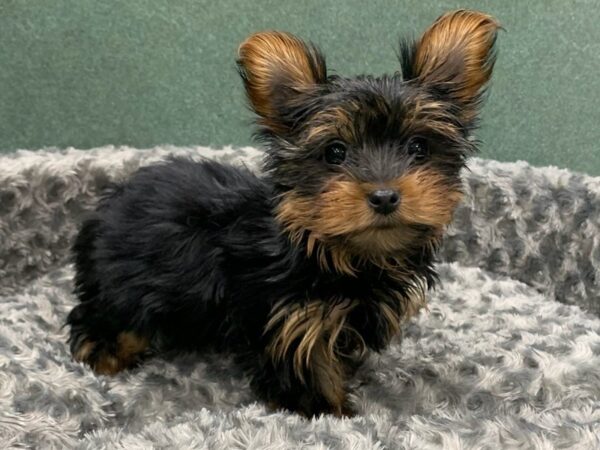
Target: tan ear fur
point(275, 65)
point(456, 54)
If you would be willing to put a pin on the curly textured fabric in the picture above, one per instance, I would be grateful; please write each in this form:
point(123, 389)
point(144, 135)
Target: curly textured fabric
point(494, 362)
point(540, 226)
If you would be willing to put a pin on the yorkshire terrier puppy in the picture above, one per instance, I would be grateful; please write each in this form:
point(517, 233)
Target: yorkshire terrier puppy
point(302, 270)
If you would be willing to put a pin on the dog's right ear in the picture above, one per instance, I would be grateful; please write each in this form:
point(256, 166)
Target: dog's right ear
point(277, 69)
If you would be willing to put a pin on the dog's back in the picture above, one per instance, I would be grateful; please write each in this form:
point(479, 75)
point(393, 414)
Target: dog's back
point(152, 258)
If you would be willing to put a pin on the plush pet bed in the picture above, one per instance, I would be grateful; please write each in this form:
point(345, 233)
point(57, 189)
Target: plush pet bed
point(507, 355)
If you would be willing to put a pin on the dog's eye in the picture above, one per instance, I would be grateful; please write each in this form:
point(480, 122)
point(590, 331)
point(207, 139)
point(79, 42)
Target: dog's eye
point(419, 148)
point(335, 153)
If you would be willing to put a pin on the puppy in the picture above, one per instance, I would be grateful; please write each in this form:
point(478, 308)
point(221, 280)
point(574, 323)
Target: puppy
point(301, 271)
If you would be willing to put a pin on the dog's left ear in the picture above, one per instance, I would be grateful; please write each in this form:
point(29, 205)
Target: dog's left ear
point(278, 69)
point(454, 58)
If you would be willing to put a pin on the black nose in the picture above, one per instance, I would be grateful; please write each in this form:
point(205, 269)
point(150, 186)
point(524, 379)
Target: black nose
point(384, 201)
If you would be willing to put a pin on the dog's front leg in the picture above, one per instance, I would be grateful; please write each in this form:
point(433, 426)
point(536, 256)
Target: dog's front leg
point(302, 368)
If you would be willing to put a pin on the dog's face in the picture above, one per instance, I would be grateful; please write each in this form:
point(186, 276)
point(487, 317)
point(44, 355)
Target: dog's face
point(372, 163)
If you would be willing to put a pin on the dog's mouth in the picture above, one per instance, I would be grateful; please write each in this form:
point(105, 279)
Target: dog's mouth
point(383, 237)
point(388, 225)
point(385, 223)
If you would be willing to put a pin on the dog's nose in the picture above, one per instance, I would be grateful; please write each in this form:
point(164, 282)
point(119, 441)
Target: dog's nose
point(384, 201)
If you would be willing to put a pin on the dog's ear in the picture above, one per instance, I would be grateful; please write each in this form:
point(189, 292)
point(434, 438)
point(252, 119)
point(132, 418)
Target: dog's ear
point(277, 69)
point(454, 58)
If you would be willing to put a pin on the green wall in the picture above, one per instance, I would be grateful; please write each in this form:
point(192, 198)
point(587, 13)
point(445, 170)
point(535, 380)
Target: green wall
point(85, 73)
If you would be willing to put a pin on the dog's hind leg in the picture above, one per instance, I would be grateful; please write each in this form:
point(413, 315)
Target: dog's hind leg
point(97, 344)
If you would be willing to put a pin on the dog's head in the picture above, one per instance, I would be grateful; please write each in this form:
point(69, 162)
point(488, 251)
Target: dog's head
point(370, 162)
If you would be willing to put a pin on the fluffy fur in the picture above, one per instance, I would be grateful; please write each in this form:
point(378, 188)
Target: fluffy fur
point(300, 272)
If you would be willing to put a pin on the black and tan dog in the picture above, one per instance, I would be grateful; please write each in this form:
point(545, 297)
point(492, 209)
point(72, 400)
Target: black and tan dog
point(301, 271)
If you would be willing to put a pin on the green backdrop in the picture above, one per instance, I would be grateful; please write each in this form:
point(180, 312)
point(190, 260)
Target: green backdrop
point(86, 73)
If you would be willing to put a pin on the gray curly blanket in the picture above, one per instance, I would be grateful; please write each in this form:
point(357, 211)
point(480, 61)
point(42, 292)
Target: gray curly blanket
point(506, 356)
